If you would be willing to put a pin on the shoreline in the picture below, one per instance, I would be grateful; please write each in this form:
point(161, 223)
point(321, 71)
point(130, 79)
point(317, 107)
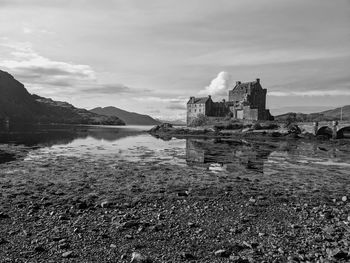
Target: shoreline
point(167, 131)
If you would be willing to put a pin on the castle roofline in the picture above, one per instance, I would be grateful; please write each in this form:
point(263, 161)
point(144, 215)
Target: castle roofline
point(201, 100)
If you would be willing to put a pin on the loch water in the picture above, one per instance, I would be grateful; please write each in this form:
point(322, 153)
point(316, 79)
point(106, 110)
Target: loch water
point(266, 156)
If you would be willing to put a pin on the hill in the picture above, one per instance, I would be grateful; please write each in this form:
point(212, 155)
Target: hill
point(130, 118)
point(18, 105)
point(328, 115)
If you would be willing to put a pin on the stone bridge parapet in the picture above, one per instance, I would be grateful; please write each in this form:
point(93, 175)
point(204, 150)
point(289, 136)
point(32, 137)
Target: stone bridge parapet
point(334, 129)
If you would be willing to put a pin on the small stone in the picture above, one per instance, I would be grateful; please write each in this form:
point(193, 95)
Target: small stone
point(344, 198)
point(160, 216)
point(4, 216)
point(222, 253)
point(191, 224)
point(128, 236)
point(63, 217)
point(3, 241)
point(39, 249)
point(139, 258)
point(280, 250)
point(130, 224)
point(113, 246)
point(252, 200)
point(67, 254)
point(63, 245)
point(238, 259)
point(82, 205)
point(187, 256)
point(182, 194)
point(106, 204)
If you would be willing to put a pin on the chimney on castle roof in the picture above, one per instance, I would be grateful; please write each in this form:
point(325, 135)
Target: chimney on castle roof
point(238, 82)
point(209, 96)
point(258, 81)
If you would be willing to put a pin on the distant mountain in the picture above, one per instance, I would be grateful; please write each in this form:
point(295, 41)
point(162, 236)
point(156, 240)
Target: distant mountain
point(130, 118)
point(298, 109)
point(328, 115)
point(17, 104)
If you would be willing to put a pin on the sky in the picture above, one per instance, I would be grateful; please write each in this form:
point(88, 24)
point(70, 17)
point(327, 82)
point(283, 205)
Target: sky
point(151, 56)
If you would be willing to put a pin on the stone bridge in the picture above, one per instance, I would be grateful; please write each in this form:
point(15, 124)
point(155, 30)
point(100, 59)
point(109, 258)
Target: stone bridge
point(334, 129)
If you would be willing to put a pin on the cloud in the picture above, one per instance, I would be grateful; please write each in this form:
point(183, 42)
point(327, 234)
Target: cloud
point(310, 93)
point(30, 67)
point(47, 76)
point(113, 89)
point(164, 100)
point(219, 86)
point(181, 106)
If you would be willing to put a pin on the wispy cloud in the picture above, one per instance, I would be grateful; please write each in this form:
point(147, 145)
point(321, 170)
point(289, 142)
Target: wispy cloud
point(310, 93)
point(40, 73)
point(29, 66)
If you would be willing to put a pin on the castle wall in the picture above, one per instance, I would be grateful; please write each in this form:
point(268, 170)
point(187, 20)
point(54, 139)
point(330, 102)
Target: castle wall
point(250, 114)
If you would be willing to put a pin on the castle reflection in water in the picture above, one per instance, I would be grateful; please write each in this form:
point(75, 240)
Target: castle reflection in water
point(227, 155)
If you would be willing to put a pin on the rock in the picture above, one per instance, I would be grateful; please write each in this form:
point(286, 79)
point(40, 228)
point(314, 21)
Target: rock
point(160, 216)
point(161, 127)
point(339, 254)
point(222, 253)
point(4, 216)
point(3, 241)
point(106, 204)
point(113, 246)
point(276, 134)
point(238, 259)
point(182, 194)
point(63, 245)
point(293, 129)
point(39, 249)
point(344, 198)
point(68, 254)
point(139, 258)
point(82, 205)
point(252, 200)
point(128, 224)
point(63, 217)
point(187, 256)
point(191, 224)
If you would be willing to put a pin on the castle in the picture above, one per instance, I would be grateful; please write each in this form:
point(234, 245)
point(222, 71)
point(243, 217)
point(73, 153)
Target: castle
point(246, 101)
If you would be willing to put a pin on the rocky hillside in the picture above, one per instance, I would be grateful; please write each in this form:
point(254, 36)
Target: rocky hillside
point(130, 118)
point(328, 115)
point(17, 104)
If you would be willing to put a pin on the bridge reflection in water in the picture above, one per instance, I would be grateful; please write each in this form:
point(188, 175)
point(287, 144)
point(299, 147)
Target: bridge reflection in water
point(227, 155)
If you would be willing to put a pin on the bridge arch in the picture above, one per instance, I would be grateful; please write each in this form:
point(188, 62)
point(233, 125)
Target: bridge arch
point(325, 131)
point(344, 132)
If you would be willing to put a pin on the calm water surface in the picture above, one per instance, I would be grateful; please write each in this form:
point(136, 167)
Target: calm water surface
point(133, 144)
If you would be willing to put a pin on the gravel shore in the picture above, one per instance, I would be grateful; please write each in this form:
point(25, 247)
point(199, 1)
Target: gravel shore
point(73, 210)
